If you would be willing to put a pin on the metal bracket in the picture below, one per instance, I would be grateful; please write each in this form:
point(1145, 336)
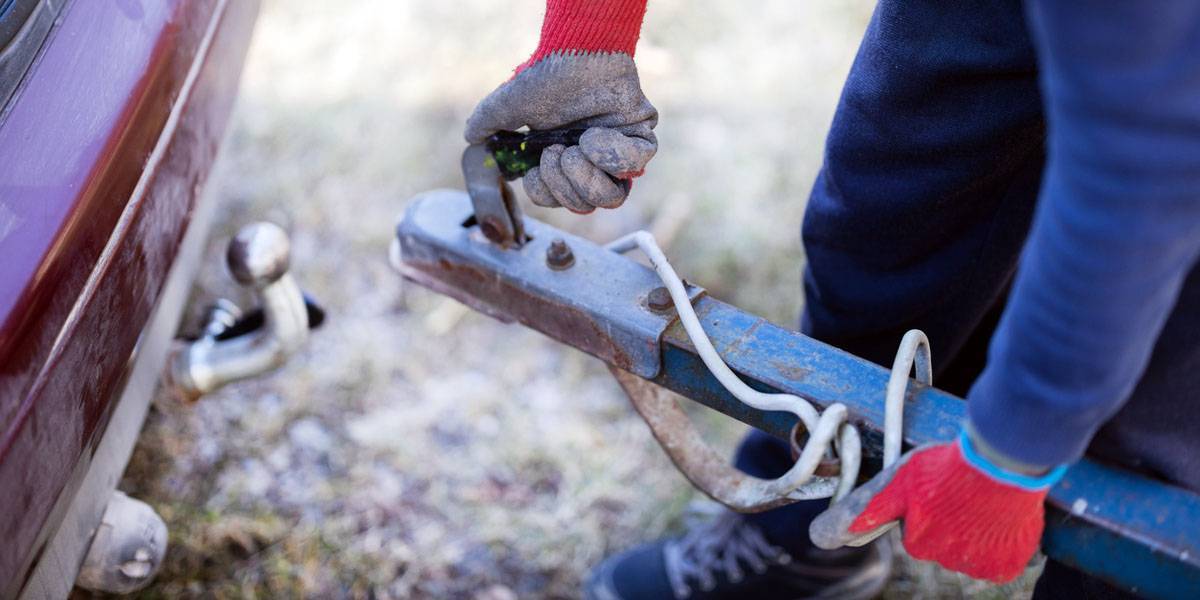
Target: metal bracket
point(708, 470)
point(1133, 531)
point(597, 304)
point(496, 210)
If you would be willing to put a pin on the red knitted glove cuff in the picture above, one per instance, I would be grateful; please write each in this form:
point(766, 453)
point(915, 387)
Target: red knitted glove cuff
point(588, 26)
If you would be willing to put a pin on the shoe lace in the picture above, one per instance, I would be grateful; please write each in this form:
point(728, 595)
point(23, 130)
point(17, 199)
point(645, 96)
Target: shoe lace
point(723, 545)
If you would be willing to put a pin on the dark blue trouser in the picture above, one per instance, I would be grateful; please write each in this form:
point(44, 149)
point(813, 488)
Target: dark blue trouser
point(918, 218)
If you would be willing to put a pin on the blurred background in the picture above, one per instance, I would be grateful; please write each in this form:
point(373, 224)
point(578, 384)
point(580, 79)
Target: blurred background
point(416, 448)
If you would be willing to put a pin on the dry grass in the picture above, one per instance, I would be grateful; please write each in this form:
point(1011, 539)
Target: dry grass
point(417, 449)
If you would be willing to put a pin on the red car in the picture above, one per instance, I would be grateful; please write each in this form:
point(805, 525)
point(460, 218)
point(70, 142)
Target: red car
point(111, 115)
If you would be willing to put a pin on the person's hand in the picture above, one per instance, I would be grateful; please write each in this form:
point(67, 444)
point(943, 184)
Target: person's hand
point(599, 92)
point(957, 509)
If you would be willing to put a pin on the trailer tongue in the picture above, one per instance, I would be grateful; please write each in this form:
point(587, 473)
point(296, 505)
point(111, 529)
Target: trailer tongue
point(1136, 532)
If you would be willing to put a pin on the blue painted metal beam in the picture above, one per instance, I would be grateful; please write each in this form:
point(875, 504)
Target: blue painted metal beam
point(1135, 532)
point(1139, 534)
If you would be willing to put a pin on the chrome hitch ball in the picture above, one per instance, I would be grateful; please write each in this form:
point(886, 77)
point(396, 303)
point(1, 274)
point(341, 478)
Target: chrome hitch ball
point(258, 258)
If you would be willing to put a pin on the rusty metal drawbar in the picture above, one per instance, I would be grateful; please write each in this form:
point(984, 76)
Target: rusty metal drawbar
point(1135, 532)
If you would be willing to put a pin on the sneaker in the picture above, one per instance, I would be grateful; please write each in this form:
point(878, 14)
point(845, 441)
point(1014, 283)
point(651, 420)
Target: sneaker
point(732, 558)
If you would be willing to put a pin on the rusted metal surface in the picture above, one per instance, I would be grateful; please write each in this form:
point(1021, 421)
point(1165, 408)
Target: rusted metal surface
point(707, 469)
point(659, 300)
point(105, 150)
point(1136, 532)
point(573, 305)
point(559, 255)
point(1096, 513)
point(830, 465)
point(496, 209)
point(779, 359)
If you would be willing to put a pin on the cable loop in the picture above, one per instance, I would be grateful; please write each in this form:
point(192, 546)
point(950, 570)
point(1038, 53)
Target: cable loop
point(828, 430)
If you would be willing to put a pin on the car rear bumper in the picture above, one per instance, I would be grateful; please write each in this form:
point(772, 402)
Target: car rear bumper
point(107, 145)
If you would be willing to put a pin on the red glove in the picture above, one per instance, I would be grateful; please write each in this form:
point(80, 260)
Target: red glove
point(957, 510)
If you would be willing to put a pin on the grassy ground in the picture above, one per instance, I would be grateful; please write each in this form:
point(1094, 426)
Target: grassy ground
point(415, 448)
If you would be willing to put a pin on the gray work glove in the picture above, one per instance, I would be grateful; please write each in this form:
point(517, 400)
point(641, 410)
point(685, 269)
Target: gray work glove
point(599, 92)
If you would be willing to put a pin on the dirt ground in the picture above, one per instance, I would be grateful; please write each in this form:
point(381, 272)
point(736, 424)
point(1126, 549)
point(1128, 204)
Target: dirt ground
point(416, 448)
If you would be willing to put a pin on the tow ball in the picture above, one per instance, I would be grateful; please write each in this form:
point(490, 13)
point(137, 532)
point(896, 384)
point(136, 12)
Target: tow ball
point(236, 345)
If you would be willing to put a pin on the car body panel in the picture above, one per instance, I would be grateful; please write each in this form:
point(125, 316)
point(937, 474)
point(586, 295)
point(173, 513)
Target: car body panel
point(103, 154)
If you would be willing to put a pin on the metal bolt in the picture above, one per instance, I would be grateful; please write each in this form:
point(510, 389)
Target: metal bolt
point(659, 300)
point(492, 229)
point(559, 256)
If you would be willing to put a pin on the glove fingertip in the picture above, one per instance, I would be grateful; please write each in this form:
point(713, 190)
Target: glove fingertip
point(474, 138)
point(537, 191)
point(557, 182)
point(593, 185)
point(493, 113)
point(480, 126)
point(884, 508)
point(874, 504)
point(885, 496)
point(829, 530)
point(616, 153)
point(474, 133)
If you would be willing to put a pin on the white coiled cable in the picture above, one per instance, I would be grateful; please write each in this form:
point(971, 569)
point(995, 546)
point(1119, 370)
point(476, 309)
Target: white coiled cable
point(824, 428)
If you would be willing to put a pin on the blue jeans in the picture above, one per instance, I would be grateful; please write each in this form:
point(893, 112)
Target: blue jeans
point(918, 218)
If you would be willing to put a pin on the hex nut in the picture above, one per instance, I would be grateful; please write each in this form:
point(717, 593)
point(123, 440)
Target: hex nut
point(659, 300)
point(559, 255)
